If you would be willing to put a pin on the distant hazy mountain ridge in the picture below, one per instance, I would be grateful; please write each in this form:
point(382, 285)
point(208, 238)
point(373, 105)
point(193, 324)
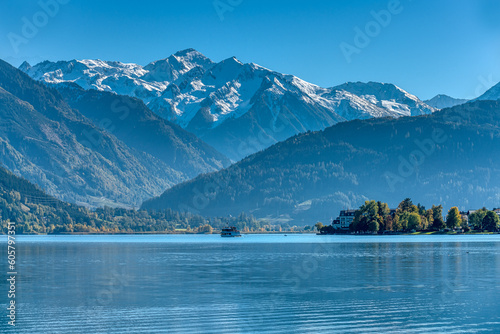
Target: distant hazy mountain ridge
point(444, 101)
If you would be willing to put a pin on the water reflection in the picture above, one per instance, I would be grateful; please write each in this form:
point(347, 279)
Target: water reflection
point(261, 284)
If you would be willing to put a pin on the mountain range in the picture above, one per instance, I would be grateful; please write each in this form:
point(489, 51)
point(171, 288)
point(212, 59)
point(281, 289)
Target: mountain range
point(449, 157)
point(237, 108)
point(107, 133)
point(442, 101)
point(120, 155)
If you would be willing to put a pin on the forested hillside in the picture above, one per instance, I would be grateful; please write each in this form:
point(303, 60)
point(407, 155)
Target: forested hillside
point(449, 157)
point(33, 211)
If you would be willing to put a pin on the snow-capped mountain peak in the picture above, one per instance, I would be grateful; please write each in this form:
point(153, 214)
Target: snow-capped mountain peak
point(232, 99)
point(388, 96)
point(171, 68)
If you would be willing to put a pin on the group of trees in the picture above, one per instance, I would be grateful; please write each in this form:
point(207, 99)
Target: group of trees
point(375, 217)
point(371, 217)
point(484, 219)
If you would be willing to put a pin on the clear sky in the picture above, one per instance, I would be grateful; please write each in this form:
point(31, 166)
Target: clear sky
point(426, 47)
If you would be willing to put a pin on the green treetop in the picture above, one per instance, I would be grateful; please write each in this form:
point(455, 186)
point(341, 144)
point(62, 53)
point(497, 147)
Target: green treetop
point(437, 215)
point(491, 221)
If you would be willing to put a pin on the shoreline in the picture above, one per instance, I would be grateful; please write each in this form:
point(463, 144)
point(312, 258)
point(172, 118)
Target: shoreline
point(271, 233)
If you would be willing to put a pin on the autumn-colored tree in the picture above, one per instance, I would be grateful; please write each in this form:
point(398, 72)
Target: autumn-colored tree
point(389, 223)
point(407, 206)
point(384, 213)
point(453, 219)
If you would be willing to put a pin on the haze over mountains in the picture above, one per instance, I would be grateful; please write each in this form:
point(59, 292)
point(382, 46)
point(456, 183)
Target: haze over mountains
point(442, 101)
point(79, 159)
point(237, 108)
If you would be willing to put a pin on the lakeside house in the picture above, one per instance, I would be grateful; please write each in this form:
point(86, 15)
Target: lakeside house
point(465, 215)
point(344, 219)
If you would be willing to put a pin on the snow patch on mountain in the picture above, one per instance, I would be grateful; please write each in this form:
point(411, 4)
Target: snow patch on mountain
point(200, 95)
point(389, 97)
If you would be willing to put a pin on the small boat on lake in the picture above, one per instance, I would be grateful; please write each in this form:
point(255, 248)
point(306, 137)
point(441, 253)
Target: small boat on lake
point(229, 232)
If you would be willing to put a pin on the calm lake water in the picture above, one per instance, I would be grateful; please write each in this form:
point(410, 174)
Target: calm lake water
point(255, 284)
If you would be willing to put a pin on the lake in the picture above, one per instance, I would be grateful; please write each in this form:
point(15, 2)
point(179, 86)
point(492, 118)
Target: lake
point(255, 284)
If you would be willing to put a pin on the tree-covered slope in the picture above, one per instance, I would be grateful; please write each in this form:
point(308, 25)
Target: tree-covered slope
point(450, 157)
point(56, 147)
point(31, 209)
point(27, 209)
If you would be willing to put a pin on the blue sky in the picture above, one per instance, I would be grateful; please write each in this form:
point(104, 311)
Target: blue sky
point(426, 47)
